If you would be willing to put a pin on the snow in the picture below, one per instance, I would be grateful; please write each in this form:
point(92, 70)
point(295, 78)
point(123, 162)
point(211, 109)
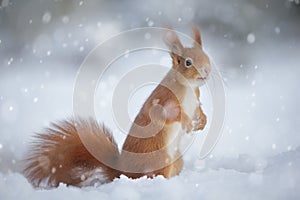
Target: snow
point(65, 19)
point(230, 178)
point(35, 99)
point(47, 17)
point(150, 23)
point(258, 155)
point(251, 38)
point(277, 30)
point(227, 174)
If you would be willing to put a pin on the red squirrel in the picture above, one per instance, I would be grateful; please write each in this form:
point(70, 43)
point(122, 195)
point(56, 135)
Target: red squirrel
point(152, 145)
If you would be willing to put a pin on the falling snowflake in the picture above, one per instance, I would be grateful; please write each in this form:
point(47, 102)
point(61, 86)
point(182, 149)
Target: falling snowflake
point(277, 30)
point(46, 17)
point(150, 23)
point(65, 19)
point(251, 38)
point(53, 170)
point(35, 99)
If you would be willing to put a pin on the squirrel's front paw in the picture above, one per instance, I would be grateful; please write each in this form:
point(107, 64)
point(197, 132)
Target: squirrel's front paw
point(199, 123)
point(186, 123)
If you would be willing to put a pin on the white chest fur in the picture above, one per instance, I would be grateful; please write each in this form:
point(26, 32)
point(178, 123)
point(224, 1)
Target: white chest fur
point(176, 134)
point(190, 103)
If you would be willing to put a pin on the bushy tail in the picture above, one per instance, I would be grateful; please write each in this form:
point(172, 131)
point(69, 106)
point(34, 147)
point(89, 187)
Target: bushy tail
point(59, 155)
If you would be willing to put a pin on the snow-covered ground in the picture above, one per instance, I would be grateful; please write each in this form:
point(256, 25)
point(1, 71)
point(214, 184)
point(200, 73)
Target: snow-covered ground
point(258, 155)
point(236, 178)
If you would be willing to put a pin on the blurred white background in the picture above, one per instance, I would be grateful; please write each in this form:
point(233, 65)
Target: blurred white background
point(255, 44)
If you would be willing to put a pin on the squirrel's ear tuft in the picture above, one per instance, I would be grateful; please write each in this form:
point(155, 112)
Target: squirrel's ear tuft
point(197, 36)
point(172, 41)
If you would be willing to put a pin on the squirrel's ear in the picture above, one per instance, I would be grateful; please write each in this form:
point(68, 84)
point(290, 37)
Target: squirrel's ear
point(172, 41)
point(197, 36)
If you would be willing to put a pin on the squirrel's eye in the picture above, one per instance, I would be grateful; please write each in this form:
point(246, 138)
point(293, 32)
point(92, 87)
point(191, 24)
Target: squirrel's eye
point(188, 62)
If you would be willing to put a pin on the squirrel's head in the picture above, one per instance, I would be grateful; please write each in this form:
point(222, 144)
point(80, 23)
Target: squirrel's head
point(191, 62)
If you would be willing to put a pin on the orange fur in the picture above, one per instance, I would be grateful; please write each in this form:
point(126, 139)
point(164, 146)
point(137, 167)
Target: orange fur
point(59, 155)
